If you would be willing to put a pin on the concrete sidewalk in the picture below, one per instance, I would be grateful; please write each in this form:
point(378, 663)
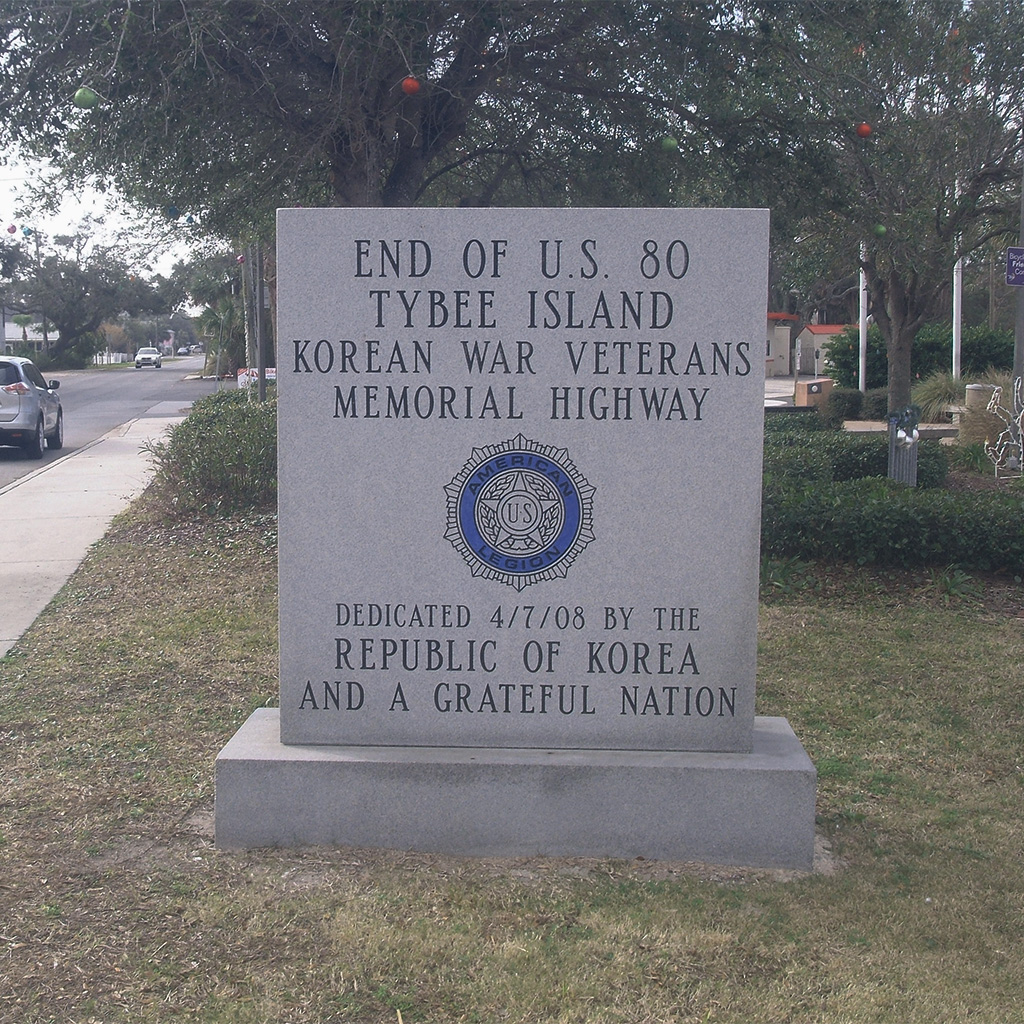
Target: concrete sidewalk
point(779, 391)
point(52, 517)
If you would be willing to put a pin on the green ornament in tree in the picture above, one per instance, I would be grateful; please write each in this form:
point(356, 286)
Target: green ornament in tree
point(879, 231)
point(86, 98)
point(669, 143)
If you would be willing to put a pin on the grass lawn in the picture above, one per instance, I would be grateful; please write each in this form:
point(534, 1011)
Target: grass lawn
point(907, 691)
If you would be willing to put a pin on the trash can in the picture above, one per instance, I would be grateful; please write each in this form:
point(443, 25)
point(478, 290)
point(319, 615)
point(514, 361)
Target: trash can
point(977, 395)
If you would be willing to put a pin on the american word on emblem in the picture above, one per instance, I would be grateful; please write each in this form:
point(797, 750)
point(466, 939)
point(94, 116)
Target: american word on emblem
point(519, 512)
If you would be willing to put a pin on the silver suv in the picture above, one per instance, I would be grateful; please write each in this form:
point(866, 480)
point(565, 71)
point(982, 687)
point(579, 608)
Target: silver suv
point(30, 411)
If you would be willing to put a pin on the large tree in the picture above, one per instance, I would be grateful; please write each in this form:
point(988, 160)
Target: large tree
point(223, 111)
point(218, 113)
point(934, 173)
point(75, 286)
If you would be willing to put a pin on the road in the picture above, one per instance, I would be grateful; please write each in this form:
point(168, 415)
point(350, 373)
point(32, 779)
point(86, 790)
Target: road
point(96, 401)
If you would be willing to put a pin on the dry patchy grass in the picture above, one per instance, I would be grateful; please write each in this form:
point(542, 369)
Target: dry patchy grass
point(115, 906)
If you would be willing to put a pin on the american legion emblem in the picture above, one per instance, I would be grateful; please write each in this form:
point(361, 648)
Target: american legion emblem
point(519, 512)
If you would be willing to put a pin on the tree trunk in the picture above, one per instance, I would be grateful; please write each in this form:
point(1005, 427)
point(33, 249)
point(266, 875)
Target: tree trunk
point(898, 348)
point(248, 306)
point(899, 313)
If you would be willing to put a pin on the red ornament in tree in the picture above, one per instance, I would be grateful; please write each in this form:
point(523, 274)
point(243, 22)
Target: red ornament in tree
point(410, 85)
point(863, 129)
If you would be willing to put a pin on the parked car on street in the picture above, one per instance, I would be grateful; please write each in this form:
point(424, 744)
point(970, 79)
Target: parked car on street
point(183, 351)
point(30, 410)
point(148, 357)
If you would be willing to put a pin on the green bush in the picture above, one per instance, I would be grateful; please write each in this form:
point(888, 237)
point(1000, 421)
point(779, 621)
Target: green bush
point(787, 420)
point(880, 522)
point(971, 457)
point(875, 405)
point(221, 458)
point(842, 404)
point(827, 498)
point(982, 348)
point(842, 358)
point(932, 352)
point(796, 459)
point(837, 455)
point(934, 393)
point(78, 357)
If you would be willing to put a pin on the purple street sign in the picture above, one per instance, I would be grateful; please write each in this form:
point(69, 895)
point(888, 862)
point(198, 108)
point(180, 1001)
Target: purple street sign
point(1015, 267)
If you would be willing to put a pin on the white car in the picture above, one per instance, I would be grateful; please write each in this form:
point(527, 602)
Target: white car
point(148, 357)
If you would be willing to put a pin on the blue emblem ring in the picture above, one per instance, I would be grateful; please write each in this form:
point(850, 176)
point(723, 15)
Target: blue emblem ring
point(519, 512)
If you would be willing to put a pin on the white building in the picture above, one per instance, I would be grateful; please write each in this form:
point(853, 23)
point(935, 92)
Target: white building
point(18, 338)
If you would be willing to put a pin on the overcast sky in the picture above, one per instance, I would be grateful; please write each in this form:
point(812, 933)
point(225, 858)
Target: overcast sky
point(17, 177)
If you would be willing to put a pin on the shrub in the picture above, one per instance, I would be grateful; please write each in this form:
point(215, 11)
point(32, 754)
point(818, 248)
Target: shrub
point(971, 457)
point(842, 404)
point(933, 394)
point(980, 348)
point(74, 358)
point(221, 458)
point(875, 405)
point(786, 420)
point(880, 522)
point(796, 458)
point(836, 456)
point(827, 498)
point(842, 358)
point(932, 464)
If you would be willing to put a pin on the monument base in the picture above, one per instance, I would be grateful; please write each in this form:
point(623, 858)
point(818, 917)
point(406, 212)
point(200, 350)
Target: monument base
point(755, 810)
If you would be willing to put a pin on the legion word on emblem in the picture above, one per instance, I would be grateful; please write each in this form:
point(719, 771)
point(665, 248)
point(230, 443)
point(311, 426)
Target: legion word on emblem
point(519, 512)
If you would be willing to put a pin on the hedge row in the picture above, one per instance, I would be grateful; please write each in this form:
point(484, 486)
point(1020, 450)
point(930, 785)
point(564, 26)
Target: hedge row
point(880, 522)
point(825, 496)
point(826, 456)
point(851, 404)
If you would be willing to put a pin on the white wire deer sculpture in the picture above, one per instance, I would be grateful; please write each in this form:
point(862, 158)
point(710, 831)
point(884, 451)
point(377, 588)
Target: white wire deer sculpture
point(1005, 452)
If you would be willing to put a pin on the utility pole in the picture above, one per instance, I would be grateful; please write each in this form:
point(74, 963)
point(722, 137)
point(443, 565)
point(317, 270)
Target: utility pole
point(1018, 326)
point(862, 378)
point(261, 355)
point(39, 276)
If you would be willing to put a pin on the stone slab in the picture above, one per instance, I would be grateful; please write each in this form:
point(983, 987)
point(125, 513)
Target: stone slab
point(520, 476)
point(754, 809)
